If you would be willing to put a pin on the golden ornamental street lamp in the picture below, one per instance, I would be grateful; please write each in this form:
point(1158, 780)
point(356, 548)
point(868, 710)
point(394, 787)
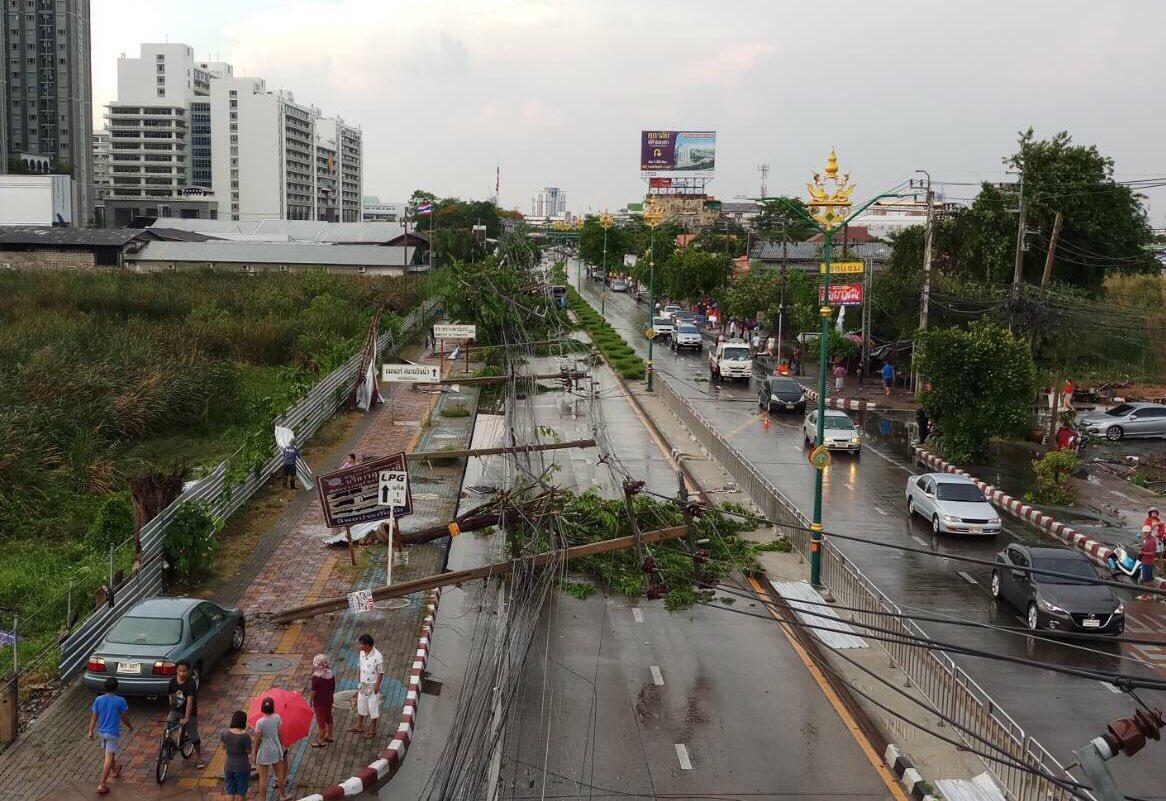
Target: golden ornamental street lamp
point(653, 216)
point(605, 222)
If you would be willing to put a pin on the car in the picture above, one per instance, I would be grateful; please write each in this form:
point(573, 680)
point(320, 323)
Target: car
point(686, 335)
point(146, 643)
point(953, 504)
point(1126, 420)
point(731, 359)
point(662, 326)
point(839, 432)
point(783, 394)
point(684, 316)
point(671, 309)
point(1074, 605)
point(618, 285)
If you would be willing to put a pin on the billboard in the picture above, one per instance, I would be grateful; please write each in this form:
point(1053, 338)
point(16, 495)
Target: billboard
point(848, 267)
point(843, 295)
point(352, 494)
point(689, 152)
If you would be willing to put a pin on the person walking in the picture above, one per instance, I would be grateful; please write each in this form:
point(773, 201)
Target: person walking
point(839, 376)
point(888, 377)
point(350, 461)
point(924, 423)
point(1157, 528)
point(368, 693)
point(267, 750)
point(1146, 557)
point(320, 697)
point(796, 360)
point(108, 713)
point(291, 455)
point(237, 746)
point(183, 692)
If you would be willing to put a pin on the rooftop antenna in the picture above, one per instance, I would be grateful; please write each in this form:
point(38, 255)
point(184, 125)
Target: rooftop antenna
point(764, 170)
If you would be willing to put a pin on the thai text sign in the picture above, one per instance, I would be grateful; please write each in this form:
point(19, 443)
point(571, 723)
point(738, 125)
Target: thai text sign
point(410, 373)
point(455, 331)
point(842, 268)
point(691, 152)
point(843, 295)
point(353, 495)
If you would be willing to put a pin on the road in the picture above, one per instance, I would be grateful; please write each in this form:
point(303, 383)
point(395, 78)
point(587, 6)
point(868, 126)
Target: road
point(865, 497)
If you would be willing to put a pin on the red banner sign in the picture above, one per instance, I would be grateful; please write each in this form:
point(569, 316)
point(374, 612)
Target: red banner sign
point(843, 295)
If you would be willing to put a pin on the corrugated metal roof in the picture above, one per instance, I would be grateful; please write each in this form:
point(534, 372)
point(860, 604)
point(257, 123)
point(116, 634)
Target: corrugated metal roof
point(289, 230)
point(60, 235)
point(273, 253)
point(766, 250)
point(834, 633)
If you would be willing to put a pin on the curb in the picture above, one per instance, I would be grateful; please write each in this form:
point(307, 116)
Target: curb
point(386, 766)
point(908, 775)
point(1097, 551)
point(846, 404)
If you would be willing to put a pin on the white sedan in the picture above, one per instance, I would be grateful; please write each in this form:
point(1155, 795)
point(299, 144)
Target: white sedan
point(952, 503)
point(839, 433)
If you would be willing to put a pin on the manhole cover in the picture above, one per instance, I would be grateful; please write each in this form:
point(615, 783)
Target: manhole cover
point(265, 664)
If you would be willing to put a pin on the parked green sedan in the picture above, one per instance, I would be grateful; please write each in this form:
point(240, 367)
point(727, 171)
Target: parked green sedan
point(144, 646)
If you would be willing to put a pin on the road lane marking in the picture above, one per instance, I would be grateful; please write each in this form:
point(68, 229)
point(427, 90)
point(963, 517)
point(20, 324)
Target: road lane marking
point(682, 756)
point(873, 757)
point(882, 511)
point(1110, 687)
point(921, 542)
point(967, 578)
point(638, 614)
point(657, 676)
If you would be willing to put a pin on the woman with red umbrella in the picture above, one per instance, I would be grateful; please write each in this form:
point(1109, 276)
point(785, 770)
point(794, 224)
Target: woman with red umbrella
point(280, 718)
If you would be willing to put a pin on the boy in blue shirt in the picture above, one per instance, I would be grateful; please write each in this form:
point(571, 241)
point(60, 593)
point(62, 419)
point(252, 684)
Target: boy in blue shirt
point(110, 710)
point(888, 377)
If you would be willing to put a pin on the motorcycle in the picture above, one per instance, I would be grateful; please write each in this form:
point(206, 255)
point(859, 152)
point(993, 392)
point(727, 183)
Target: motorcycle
point(1124, 561)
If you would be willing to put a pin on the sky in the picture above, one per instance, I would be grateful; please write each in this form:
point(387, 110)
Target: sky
point(556, 92)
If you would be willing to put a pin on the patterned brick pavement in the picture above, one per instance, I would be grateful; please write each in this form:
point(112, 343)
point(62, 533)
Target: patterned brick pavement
point(54, 760)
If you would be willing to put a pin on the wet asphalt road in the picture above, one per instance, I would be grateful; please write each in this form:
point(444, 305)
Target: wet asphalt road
point(866, 497)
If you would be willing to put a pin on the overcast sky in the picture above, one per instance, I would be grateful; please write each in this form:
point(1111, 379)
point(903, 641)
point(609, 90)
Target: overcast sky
point(557, 91)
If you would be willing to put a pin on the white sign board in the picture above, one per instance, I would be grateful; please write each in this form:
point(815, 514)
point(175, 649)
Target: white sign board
point(394, 488)
point(410, 373)
point(629, 260)
point(361, 601)
point(455, 332)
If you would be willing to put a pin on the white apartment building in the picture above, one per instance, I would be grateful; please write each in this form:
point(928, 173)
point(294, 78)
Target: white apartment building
point(190, 139)
point(892, 215)
point(549, 202)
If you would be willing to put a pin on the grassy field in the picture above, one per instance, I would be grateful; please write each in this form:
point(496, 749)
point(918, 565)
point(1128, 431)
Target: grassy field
point(106, 376)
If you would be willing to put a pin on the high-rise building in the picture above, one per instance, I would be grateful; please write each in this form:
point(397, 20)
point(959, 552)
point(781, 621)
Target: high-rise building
point(549, 202)
point(46, 117)
point(190, 139)
point(102, 171)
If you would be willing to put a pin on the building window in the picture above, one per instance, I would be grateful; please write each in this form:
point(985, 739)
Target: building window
point(161, 91)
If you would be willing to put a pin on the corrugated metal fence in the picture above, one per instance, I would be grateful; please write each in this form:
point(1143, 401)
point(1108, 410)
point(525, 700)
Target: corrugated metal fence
point(305, 418)
point(947, 686)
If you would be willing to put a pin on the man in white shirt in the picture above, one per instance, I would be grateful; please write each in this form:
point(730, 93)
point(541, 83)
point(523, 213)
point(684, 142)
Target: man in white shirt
point(368, 694)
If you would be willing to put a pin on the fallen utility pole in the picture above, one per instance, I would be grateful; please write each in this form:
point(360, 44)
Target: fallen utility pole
point(486, 571)
point(550, 446)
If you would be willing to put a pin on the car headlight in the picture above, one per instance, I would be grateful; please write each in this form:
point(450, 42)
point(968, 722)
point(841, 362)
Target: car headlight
point(774, 397)
point(801, 397)
point(1121, 609)
point(1048, 607)
point(854, 440)
point(993, 521)
point(950, 519)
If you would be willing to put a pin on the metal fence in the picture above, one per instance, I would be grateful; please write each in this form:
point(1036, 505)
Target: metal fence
point(946, 685)
point(305, 418)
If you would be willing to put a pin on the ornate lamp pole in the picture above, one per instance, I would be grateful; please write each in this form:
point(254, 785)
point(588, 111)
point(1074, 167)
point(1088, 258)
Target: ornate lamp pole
point(653, 216)
point(605, 222)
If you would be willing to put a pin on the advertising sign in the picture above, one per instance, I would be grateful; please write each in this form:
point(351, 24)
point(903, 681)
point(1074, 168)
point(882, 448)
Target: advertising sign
point(843, 295)
point(353, 495)
point(842, 268)
point(410, 373)
point(629, 260)
point(455, 332)
point(659, 183)
point(361, 601)
point(690, 152)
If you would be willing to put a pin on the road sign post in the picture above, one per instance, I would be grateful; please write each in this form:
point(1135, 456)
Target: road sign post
point(393, 491)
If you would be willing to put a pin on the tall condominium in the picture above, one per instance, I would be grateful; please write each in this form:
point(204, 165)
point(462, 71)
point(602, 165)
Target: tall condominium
point(549, 202)
point(191, 139)
point(46, 118)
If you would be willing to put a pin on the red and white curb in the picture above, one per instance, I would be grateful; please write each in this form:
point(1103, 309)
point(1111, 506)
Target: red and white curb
point(846, 404)
point(1098, 551)
point(381, 770)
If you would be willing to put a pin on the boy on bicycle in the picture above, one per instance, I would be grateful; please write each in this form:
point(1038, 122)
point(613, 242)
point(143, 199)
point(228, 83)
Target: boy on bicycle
point(183, 692)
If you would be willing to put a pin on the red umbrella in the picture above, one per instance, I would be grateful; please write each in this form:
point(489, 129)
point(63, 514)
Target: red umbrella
point(293, 710)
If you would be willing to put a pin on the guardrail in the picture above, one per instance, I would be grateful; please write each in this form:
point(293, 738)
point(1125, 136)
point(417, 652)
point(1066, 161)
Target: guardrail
point(305, 418)
point(946, 685)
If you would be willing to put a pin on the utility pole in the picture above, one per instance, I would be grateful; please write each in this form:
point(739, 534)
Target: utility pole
point(781, 307)
point(1123, 736)
point(925, 299)
point(1018, 264)
point(1047, 276)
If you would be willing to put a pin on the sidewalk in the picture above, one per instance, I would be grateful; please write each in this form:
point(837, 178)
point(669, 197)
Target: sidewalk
point(854, 397)
point(52, 759)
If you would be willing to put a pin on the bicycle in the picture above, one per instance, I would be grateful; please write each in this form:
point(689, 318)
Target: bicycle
point(168, 747)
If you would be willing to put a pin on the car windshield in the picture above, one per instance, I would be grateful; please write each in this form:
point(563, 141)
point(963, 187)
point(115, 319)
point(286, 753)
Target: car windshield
point(953, 491)
point(687, 329)
point(1072, 566)
point(785, 385)
point(736, 354)
point(1121, 410)
point(839, 421)
point(146, 631)
point(661, 321)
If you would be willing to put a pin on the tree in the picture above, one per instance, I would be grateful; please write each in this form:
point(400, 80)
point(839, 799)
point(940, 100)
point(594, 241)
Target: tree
point(591, 243)
point(419, 198)
point(981, 383)
point(759, 291)
point(691, 274)
point(784, 218)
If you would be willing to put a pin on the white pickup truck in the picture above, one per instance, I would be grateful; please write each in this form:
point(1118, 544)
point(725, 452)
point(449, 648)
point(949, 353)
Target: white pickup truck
point(731, 360)
point(662, 327)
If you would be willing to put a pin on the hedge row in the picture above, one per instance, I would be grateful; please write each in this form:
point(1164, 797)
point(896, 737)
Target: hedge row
point(614, 348)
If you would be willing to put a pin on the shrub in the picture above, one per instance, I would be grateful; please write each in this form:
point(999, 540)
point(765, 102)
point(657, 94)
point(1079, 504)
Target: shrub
point(1051, 478)
point(112, 525)
point(192, 538)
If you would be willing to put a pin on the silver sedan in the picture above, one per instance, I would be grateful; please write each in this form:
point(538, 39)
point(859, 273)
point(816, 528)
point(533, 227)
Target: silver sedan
point(953, 504)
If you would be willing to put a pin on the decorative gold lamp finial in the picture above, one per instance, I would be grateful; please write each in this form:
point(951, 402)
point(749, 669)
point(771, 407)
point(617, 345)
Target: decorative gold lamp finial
point(829, 204)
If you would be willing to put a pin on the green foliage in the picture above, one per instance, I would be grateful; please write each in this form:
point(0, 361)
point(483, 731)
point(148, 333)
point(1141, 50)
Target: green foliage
point(784, 218)
point(841, 347)
point(578, 589)
point(192, 538)
point(452, 225)
point(759, 290)
point(691, 274)
point(623, 359)
point(982, 383)
point(113, 524)
point(1051, 478)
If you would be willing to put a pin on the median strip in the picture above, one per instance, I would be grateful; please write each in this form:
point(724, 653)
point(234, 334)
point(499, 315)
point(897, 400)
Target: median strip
point(614, 348)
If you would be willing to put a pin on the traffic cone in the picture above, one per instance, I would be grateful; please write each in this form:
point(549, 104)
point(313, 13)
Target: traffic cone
point(765, 423)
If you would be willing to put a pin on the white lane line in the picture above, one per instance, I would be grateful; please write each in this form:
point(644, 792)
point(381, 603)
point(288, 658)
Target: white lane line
point(657, 676)
point(966, 577)
point(882, 511)
point(921, 542)
point(682, 756)
point(638, 614)
point(1110, 687)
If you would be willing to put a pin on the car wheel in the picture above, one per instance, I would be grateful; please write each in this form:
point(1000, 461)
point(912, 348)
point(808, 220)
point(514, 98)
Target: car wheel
point(1033, 619)
point(238, 637)
point(699, 348)
point(910, 507)
point(995, 584)
point(935, 524)
point(1114, 433)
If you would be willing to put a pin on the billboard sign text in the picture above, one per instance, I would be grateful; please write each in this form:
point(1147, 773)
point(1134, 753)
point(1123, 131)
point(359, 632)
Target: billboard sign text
point(410, 373)
point(842, 268)
point(353, 495)
point(689, 152)
point(455, 331)
point(843, 295)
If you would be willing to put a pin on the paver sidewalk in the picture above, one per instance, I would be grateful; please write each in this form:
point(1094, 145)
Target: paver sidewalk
point(53, 760)
point(855, 397)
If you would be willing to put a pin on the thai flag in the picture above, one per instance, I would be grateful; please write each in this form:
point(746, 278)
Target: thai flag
point(425, 210)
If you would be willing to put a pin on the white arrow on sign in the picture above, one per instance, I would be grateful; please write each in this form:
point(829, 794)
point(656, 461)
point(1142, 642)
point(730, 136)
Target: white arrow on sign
point(394, 488)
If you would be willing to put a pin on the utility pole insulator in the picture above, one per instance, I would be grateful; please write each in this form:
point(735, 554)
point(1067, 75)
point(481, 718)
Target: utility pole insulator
point(632, 487)
point(1128, 735)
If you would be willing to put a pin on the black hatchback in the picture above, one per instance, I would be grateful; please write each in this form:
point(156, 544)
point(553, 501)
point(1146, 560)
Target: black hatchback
point(1070, 604)
point(782, 393)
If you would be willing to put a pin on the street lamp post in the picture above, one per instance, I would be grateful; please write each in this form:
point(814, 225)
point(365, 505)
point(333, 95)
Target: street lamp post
point(605, 222)
point(653, 216)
